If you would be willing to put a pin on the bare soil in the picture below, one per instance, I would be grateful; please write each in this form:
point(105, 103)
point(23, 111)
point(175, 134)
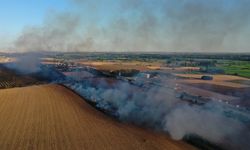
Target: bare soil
point(53, 117)
point(221, 80)
point(118, 65)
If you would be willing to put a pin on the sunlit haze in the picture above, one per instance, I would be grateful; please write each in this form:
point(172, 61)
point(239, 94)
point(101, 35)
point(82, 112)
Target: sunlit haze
point(125, 25)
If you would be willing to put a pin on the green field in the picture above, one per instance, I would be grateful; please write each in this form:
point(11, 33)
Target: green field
point(229, 67)
point(239, 68)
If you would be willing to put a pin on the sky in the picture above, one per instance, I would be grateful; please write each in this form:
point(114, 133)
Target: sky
point(17, 14)
point(125, 25)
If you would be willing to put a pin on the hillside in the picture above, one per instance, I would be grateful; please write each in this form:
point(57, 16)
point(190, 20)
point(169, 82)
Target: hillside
point(53, 117)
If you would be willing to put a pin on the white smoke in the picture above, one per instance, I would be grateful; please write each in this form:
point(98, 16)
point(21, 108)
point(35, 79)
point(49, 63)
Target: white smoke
point(143, 25)
point(26, 63)
point(157, 108)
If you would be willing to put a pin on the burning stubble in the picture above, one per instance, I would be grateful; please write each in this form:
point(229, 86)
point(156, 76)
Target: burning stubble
point(156, 109)
point(145, 25)
point(153, 107)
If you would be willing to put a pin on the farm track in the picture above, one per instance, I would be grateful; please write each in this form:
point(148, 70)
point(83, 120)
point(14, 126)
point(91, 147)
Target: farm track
point(52, 117)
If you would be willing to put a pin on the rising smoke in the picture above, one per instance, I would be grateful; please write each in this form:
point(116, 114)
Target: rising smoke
point(158, 108)
point(155, 107)
point(143, 25)
point(26, 63)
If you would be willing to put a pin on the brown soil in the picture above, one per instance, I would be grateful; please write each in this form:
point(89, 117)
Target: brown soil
point(53, 117)
point(180, 69)
point(117, 65)
point(220, 80)
point(242, 93)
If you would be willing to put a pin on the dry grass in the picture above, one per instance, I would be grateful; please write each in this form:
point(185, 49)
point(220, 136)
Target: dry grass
point(222, 80)
point(180, 69)
point(206, 92)
point(119, 65)
point(216, 77)
point(52, 117)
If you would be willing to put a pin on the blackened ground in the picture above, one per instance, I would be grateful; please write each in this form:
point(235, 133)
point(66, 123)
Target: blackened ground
point(10, 78)
point(242, 93)
point(49, 74)
point(201, 143)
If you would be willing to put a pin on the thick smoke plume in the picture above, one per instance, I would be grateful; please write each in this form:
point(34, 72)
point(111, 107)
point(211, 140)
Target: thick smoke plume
point(57, 33)
point(143, 25)
point(157, 108)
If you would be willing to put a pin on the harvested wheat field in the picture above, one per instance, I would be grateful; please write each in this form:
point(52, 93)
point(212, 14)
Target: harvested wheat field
point(221, 80)
point(119, 65)
point(53, 117)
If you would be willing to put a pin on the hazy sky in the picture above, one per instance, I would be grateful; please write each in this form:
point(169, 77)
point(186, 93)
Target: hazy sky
point(125, 25)
point(16, 14)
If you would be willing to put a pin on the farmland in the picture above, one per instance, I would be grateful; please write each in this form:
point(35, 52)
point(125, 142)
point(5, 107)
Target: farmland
point(125, 75)
point(240, 68)
point(224, 80)
point(230, 64)
point(188, 70)
point(120, 65)
point(228, 88)
point(92, 101)
point(60, 119)
point(9, 79)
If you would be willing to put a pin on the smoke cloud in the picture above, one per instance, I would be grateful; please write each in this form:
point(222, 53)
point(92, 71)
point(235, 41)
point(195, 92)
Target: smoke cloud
point(143, 25)
point(155, 106)
point(26, 63)
point(158, 108)
point(57, 33)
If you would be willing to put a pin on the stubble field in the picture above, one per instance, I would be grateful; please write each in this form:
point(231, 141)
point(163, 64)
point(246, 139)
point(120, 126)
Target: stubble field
point(53, 117)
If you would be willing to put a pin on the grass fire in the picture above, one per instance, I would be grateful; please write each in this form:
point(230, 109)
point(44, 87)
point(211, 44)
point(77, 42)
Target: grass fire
point(125, 74)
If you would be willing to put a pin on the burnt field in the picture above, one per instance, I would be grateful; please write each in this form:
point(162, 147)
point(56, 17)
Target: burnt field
point(10, 78)
point(125, 75)
point(169, 98)
point(152, 96)
point(242, 93)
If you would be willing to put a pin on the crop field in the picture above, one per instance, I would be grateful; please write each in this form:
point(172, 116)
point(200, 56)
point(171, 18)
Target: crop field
point(223, 80)
point(6, 84)
point(53, 117)
point(95, 102)
point(119, 65)
point(125, 75)
point(240, 68)
point(9, 79)
point(228, 88)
